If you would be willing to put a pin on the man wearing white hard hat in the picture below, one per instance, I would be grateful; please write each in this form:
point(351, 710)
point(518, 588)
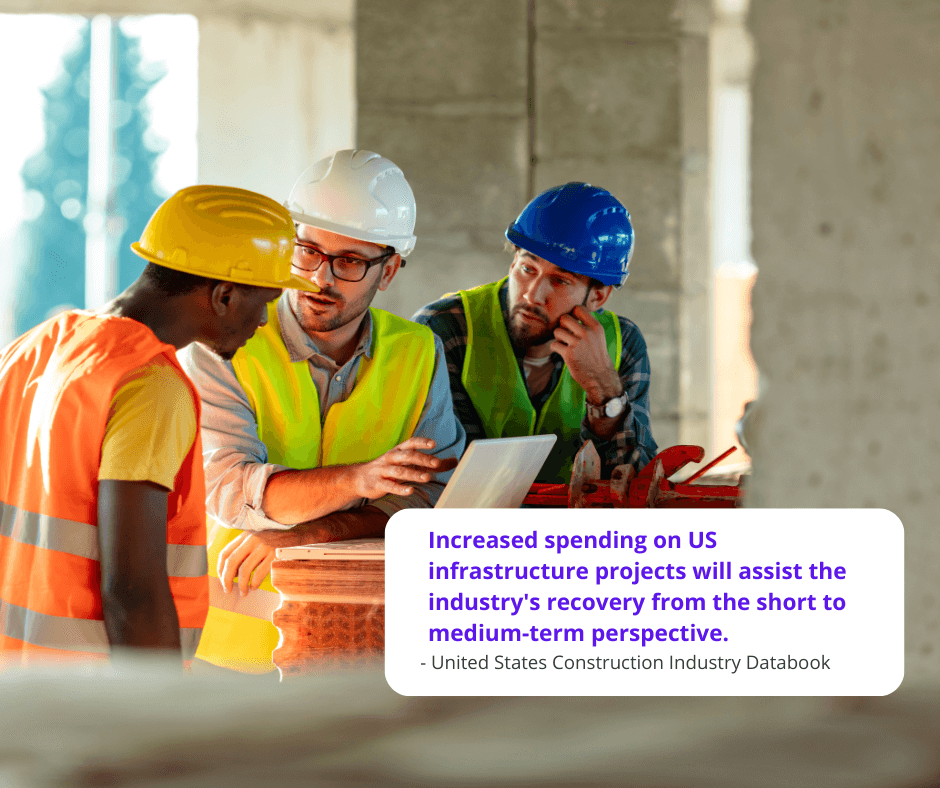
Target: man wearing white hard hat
point(333, 417)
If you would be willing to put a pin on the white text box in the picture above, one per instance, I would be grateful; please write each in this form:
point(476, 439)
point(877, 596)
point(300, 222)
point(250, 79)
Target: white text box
point(644, 602)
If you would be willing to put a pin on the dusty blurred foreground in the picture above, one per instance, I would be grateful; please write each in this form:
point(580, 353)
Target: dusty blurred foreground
point(144, 726)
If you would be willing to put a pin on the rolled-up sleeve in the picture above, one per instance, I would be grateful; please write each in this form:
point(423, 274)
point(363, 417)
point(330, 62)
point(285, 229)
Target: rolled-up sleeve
point(235, 459)
point(438, 422)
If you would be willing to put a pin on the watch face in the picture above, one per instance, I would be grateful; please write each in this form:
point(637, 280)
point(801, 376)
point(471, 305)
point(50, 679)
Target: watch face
point(614, 407)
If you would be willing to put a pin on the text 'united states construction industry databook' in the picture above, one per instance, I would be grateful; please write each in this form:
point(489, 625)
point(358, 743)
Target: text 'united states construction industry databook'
point(644, 602)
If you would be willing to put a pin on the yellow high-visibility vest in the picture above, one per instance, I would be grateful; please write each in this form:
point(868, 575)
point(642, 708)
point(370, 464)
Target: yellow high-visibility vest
point(497, 389)
point(383, 410)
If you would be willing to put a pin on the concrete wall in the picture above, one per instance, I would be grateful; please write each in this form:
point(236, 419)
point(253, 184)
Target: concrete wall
point(276, 93)
point(442, 91)
point(846, 212)
point(484, 105)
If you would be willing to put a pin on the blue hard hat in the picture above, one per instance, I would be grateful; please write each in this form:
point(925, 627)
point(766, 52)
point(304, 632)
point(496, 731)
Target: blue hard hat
point(581, 228)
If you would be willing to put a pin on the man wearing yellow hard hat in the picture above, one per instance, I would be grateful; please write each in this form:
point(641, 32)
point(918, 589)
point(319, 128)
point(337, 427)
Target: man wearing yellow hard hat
point(102, 493)
point(333, 417)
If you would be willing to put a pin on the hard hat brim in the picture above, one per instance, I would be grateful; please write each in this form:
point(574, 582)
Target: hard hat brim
point(555, 257)
point(402, 245)
point(293, 282)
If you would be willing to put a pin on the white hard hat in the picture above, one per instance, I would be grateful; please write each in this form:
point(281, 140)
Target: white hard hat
point(359, 194)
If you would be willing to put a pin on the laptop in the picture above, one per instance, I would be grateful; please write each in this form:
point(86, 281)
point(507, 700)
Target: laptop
point(496, 473)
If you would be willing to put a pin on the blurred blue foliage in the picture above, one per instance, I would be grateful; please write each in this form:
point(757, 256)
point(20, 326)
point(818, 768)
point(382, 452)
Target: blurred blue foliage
point(56, 180)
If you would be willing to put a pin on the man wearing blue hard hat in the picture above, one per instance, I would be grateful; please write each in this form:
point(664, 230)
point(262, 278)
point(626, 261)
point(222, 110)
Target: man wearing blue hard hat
point(535, 353)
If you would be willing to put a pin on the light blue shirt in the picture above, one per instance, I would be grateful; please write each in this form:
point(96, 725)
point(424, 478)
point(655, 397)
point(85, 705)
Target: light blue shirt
point(236, 460)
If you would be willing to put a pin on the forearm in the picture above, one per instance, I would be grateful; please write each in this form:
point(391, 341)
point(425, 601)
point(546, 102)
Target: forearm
point(298, 496)
point(140, 615)
point(361, 523)
point(630, 442)
point(137, 605)
point(606, 386)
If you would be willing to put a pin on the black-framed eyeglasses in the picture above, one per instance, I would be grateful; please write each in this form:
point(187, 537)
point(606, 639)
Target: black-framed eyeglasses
point(350, 269)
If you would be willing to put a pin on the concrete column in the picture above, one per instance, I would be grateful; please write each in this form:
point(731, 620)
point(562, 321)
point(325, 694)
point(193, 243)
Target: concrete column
point(846, 117)
point(621, 101)
point(696, 338)
point(442, 92)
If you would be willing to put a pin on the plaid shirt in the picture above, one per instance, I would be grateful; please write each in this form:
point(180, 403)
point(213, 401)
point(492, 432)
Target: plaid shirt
point(632, 444)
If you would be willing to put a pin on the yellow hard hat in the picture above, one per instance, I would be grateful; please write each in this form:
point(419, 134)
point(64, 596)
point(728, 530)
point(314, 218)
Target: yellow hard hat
point(223, 233)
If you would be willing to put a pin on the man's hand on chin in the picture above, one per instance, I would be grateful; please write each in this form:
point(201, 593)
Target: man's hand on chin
point(580, 341)
point(249, 556)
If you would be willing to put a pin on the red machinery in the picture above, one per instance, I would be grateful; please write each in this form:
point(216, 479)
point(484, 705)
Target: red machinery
point(650, 488)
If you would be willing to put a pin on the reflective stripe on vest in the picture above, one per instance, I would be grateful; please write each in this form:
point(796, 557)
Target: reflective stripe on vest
point(382, 411)
point(81, 539)
point(56, 386)
point(58, 632)
point(497, 389)
point(73, 636)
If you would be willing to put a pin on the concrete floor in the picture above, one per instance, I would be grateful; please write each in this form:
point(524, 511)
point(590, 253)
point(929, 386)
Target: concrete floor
point(145, 728)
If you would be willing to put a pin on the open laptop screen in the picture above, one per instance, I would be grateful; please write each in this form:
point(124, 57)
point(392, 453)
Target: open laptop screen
point(496, 473)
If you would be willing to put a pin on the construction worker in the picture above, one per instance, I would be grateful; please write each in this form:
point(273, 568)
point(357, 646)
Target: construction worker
point(534, 353)
point(333, 417)
point(102, 534)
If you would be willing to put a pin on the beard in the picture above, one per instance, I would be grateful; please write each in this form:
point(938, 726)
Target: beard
point(524, 334)
point(320, 319)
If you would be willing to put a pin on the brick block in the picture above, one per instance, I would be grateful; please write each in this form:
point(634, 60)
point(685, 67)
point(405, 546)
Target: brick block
point(650, 190)
point(437, 50)
point(605, 98)
point(466, 172)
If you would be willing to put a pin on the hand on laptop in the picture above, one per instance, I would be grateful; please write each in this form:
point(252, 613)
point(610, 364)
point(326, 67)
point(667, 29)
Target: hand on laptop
point(391, 473)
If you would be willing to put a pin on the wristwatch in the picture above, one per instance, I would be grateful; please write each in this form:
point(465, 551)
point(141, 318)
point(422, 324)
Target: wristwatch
point(610, 409)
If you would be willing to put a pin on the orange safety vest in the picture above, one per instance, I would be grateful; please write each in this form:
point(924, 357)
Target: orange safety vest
point(56, 386)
